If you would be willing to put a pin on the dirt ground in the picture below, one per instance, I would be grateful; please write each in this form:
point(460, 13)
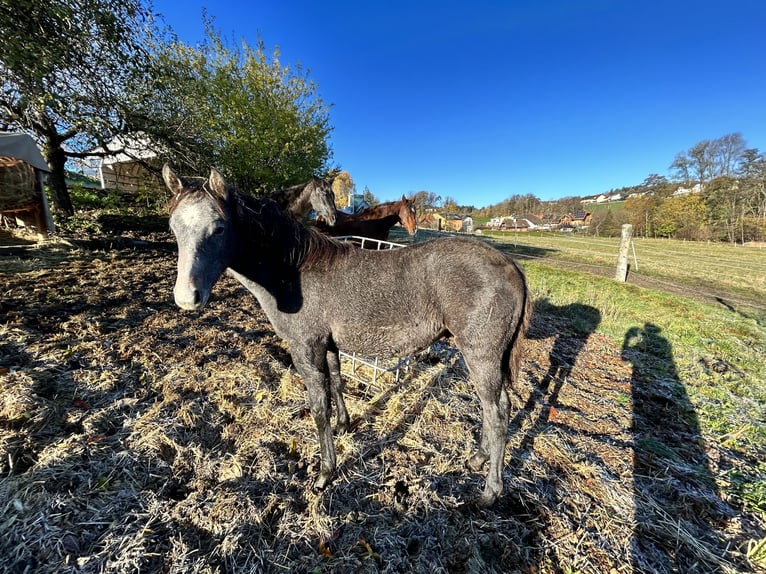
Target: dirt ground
point(135, 437)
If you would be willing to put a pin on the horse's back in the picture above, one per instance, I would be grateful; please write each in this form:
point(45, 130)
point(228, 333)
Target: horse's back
point(396, 301)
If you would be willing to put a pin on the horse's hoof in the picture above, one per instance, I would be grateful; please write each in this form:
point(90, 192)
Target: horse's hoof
point(487, 499)
point(476, 462)
point(322, 482)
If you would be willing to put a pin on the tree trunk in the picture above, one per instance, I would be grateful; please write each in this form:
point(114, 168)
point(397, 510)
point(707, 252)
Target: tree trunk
point(56, 158)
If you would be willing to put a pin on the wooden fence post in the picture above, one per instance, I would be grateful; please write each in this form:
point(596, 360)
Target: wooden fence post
point(622, 260)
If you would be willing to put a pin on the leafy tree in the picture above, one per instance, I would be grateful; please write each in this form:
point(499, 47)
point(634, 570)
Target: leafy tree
point(640, 212)
point(343, 186)
point(753, 177)
point(605, 223)
point(64, 67)
point(683, 217)
point(726, 199)
point(260, 122)
point(450, 205)
point(369, 197)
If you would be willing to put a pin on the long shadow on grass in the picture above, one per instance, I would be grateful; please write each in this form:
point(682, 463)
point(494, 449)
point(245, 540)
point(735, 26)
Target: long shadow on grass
point(572, 326)
point(676, 501)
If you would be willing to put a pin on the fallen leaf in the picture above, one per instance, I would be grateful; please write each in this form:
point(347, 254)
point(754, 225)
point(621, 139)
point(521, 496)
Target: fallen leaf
point(553, 414)
point(80, 404)
point(324, 549)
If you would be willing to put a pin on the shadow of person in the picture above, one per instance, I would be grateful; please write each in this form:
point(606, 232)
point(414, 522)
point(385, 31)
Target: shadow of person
point(571, 325)
point(675, 495)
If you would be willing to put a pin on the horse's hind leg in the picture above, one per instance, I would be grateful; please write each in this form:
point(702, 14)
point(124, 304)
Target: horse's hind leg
point(336, 387)
point(495, 407)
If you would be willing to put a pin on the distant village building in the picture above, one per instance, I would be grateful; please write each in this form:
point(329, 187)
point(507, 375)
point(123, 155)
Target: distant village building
point(432, 220)
point(578, 219)
point(602, 198)
point(528, 222)
point(438, 222)
point(696, 188)
point(356, 203)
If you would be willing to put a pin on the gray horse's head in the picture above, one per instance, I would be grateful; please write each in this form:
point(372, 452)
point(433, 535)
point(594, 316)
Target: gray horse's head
point(323, 199)
point(204, 233)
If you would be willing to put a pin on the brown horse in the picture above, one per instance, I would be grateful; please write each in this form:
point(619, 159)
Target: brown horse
point(374, 222)
point(322, 295)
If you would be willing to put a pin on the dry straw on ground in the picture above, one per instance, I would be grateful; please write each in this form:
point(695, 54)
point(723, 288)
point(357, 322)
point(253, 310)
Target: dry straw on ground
point(137, 438)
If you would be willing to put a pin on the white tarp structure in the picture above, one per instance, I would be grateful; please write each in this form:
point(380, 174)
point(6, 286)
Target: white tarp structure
point(22, 169)
point(123, 170)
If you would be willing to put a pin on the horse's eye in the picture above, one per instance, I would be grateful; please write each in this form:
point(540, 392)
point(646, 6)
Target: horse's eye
point(218, 230)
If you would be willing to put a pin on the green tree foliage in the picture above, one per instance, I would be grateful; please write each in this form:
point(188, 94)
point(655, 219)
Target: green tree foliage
point(753, 179)
point(64, 67)
point(640, 213)
point(605, 224)
point(683, 217)
point(238, 108)
point(369, 197)
point(449, 205)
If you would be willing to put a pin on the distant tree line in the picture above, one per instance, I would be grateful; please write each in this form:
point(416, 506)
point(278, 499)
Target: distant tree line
point(716, 191)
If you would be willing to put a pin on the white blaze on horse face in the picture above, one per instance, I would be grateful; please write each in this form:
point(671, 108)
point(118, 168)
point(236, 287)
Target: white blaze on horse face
point(198, 229)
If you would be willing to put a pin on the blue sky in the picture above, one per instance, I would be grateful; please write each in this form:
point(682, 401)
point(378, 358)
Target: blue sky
point(480, 100)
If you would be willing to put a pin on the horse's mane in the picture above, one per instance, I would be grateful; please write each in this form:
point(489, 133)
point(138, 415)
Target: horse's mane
point(321, 248)
point(307, 246)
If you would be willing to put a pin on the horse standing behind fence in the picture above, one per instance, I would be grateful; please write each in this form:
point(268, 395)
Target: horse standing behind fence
point(374, 222)
point(299, 199)
point(321, 295)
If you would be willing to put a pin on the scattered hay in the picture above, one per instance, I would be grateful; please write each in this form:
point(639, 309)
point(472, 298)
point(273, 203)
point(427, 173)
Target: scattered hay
point(138, 438)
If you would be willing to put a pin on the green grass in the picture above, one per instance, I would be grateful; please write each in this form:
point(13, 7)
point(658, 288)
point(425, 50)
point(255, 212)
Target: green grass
point(737, 274)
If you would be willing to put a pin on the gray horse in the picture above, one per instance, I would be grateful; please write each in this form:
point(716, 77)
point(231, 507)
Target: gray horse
point(321, 295)
point(300, 199)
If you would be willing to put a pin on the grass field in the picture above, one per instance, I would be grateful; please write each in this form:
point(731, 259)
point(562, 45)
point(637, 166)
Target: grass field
point(733, 273)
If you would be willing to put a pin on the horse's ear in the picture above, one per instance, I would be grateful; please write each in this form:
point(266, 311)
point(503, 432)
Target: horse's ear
point(171, 180)
point(217, 184)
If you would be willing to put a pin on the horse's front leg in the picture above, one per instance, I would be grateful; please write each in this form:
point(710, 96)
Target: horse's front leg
point(311, 363)
point(336, 386)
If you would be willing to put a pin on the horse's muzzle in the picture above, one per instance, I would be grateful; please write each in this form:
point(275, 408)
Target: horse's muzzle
point(189, 298)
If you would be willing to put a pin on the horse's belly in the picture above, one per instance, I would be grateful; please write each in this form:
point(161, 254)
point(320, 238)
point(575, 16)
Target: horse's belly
point(388, 341)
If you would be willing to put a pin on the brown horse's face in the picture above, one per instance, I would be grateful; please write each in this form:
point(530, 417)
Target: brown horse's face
point(204, 237)
point(408, 217)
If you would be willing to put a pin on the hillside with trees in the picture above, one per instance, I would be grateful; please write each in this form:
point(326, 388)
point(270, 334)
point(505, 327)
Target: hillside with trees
point(715, 191)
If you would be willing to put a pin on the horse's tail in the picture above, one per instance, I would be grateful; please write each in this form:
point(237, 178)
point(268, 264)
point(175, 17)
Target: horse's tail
point(517, 342)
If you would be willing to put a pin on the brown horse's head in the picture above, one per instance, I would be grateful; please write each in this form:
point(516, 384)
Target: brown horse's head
point(407, 215)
